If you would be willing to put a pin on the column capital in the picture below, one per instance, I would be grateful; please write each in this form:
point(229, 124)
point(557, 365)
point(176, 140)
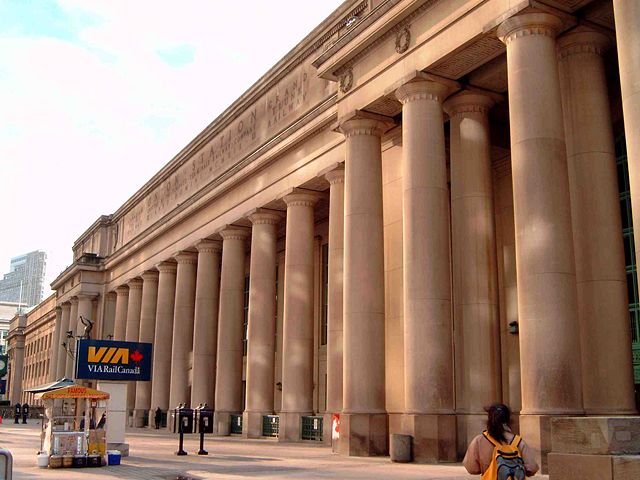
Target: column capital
point(73, 300)
point(425, 87)
point(167, 267)
point(111, 296)
point(122, 290)
point(529, 24)
point(58, 310)
point(65, 305)
point(184, 257)
point(364, 123)
point(468, 102)
point(300, 199)
point(89, 296)
point(583, 41)
point(150, 276)
point(335, 176)
point(135, 284)
point(232, 232)
point(262, 216)
point(209, 246)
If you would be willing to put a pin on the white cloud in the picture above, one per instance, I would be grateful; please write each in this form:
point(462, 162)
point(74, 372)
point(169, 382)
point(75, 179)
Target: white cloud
point(85, 123)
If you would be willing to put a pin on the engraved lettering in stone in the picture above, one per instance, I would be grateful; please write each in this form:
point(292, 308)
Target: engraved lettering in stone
point(286, 97)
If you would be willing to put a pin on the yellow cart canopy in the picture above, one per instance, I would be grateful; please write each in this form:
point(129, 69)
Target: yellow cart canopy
point(74, 391)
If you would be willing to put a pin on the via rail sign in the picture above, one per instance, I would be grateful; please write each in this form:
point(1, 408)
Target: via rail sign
point(110, 360)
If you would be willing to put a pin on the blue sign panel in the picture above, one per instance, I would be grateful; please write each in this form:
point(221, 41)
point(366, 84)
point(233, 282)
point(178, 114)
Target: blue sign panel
point(109, 360)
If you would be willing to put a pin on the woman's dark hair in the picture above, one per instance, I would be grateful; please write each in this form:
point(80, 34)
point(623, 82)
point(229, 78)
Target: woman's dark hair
point(498, 416)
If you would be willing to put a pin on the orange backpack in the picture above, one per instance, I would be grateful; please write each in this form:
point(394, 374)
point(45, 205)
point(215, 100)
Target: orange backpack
point(507, 462)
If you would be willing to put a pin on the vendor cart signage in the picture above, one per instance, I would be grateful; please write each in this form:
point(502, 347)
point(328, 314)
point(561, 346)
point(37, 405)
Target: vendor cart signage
point(109, 360)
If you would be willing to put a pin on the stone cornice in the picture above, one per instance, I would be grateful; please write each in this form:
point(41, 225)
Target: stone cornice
point(336, 21)
point(529, 24)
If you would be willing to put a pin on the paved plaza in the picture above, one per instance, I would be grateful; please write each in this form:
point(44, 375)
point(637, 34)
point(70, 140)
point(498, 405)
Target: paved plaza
point(152, 457)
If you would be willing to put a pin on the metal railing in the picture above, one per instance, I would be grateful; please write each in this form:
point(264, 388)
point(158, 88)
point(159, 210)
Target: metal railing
point(6, 464)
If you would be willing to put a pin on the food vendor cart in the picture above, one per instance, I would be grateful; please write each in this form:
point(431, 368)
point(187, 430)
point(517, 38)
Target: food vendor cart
point(74, 438)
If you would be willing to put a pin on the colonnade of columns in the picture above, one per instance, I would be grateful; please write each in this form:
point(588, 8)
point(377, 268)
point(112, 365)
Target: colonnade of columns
point(572, 305)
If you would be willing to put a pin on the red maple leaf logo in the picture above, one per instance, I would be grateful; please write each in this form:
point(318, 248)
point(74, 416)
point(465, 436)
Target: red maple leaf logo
point(136, 356)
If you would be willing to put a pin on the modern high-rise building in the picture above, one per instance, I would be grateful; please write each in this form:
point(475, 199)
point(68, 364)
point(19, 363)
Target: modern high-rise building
point(25, 281)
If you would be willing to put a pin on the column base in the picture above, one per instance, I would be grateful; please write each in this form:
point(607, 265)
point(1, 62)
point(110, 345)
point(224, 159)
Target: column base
point(222, 423)
point(434, 437)
point(364, 434)
point(327, 418)
point(291, 426)
point(252, 424)
point(468, 426)
point(536, 431)
point(138, 418)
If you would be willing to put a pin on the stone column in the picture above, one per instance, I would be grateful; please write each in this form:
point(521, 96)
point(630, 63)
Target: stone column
point(595, 213)
point(73, 319)
point(335, 337)
point(122, 305)
point(627, 16)
point(132, 334)
point(85, 310)
point(55, 345)
point(183, 328)
point(163, 336)
point(63, 356)
point(547, 295)
point(228, 392)
point(297, 349)
point(363, 423)
point(262, 321)
point(475, 306)
point(147, 333)
point(17, 369)
point(205, 330)
point(109, 316)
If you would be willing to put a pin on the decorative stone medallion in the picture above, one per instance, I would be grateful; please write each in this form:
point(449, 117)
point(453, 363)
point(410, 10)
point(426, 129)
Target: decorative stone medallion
point(403, 38)
point(346, 81)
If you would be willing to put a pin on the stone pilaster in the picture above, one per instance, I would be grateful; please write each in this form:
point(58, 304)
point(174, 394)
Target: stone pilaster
point(63, 356)
point(363, 424)
point(147, 334)
point(335, 335)
point(122, 305)
point(475, 306)
point(547, 295)
point(627, 19)
point(132, 334)
point(262, 321)
point(205, 330)
point(163, 336)
point(595, 213)
point(71, 342)
point(108, 323)
point(182, 345)
point(55, 345)
point(228, 392)
point(297, 349)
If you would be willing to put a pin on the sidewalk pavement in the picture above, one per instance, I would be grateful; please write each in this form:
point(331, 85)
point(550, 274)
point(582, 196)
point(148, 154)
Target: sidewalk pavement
point(153, 457)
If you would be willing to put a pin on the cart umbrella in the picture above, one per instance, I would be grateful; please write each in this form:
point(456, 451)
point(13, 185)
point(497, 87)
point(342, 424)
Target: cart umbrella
point(74, 391)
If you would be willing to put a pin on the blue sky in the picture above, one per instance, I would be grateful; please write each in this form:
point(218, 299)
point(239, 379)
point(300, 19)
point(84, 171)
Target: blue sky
point(96, 96)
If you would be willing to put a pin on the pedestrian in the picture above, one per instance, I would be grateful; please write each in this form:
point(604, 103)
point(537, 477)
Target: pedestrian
point(158, 417)
point(498, 451)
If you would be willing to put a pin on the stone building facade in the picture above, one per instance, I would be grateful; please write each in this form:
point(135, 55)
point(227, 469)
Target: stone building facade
point(412, 215)
point(30, 349)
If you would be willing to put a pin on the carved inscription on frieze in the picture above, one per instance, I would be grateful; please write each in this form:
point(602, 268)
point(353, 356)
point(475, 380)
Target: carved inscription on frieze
point(268, 115)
